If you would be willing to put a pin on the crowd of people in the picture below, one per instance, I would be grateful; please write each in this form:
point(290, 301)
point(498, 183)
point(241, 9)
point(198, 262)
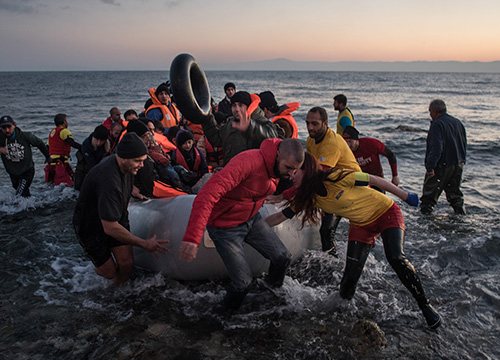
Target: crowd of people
point(245, 152)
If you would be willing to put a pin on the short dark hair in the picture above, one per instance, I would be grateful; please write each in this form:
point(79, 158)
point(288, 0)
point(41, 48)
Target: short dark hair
point(292, 147)
point(341, 99)
point(159, 126)
point(438, 106)
point(59, 119)
point(172, 132)
point(321, 111)
point(129, 112)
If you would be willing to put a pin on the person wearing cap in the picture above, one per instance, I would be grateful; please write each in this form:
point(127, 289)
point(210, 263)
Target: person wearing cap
point(244, 130)
point(162, 107)
point(445, 157)
point(280, 115)
point(60, 143)
point(94, 149)
point(330, 149)
point(225, 104)
point(17, 157)
point(345, 117)
point(100, 218)
point(114, 116)
point(367, 152)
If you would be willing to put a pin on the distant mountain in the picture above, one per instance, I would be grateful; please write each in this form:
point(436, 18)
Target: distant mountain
point(410, 66)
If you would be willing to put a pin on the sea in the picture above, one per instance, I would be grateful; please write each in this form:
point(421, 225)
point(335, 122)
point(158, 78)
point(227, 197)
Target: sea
point(53, 305)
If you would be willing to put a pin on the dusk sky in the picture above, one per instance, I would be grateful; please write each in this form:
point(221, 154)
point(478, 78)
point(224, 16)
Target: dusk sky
point(148, 34)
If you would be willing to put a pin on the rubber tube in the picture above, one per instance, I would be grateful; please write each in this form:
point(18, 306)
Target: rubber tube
point(190, 88)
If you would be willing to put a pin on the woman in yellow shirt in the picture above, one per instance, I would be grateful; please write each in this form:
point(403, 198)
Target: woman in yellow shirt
point(371, 213)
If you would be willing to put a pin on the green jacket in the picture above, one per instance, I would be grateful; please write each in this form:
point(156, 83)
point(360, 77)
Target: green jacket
point(234, 141)
point(20, 157)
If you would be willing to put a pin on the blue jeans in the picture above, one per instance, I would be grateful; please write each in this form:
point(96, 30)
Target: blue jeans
point(258, 234)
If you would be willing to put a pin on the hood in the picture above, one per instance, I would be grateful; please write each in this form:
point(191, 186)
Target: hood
point(269, 151)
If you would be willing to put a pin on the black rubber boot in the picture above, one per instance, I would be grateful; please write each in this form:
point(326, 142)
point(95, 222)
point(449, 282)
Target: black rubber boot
point(431, 316)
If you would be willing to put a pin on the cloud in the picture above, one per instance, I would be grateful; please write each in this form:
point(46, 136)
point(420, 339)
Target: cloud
point(111, 2)
point(20, 6)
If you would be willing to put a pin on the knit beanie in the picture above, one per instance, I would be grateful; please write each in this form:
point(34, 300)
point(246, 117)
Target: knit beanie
point(229, 85)
point(137, 127)
point(100, 132)
point(267, 100)
point(241, 97)
point(350, 133)
point(131, 146)
point(162, 87)
point(183, 136)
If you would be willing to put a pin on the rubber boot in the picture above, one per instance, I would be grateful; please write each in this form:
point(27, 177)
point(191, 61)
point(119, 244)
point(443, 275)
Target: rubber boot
point(431, 316)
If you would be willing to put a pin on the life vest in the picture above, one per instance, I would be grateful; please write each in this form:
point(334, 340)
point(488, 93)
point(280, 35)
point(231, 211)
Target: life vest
point(58, 146)
point(286, 115)
point(179, 159)
point(161, 190)
point(344, 113)
point(164, 142)
point(107, 123)
point(214, 155)
point(169, 111)
point(197, 130)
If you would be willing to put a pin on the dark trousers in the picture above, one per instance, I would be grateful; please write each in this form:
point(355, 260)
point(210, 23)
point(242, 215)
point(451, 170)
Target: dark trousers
point(23, 182)
point(447, 179)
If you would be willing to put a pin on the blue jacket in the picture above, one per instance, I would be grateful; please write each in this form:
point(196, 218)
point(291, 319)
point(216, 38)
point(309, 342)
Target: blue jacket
point(446, 143)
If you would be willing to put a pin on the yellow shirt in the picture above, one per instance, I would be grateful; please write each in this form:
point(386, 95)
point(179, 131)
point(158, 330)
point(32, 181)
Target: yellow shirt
point(332, 151)
point(353, 199)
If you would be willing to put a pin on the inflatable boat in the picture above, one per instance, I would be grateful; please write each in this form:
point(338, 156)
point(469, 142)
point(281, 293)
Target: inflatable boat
point(168, 218)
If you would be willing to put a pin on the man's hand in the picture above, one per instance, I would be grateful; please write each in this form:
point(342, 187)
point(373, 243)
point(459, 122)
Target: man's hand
point(243, 123)
point(3, 150)
point(188, 251)
point(155, 246)
point(429, 174)
point(274, 199)
point(395, 180)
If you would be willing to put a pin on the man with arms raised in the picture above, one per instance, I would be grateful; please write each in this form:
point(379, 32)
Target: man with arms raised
point(100, 218)
point(228, 205)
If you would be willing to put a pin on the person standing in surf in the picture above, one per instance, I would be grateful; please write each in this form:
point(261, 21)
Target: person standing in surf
point(100, 218)
point(370, 214)
point(228, 206)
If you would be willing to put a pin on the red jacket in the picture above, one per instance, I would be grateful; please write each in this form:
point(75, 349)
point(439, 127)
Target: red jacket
point(236, 193)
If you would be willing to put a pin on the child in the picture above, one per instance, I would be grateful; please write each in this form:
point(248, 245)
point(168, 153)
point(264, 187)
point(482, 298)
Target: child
point(188, 156)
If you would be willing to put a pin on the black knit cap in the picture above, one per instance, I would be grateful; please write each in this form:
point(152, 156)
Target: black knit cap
point(241, 97)
point(183, 136)
point(162, 87)
point(131, 146)
point(100, 132)
point(267, 100)
point(350, 133)
point(137, 126)
point(229, 85)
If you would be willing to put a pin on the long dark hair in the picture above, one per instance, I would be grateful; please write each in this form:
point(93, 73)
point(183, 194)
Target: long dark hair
point(312, 183)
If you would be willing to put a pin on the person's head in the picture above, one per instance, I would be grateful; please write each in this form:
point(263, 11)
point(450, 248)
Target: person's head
point(339, 102)
point(268, 104)
point(162, 92)
point(149, 123)
point(8, 125)
point(317, 122)
point(100, 136)
point(351, 137)
point(115, 130)
point(138, 127)
point(437, 108)
point(229, 89)
point(130, 114)
point(240, 103)
point(289, 158)
point(172, 133)
point(159, 128)
point(131, 153)
point(115, 114)
point(184, 140)
point(61, 120)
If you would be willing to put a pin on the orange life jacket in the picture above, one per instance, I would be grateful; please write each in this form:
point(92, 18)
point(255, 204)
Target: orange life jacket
point(164, 142)
point(169, 111)
point(58, 146)
point(161, 190)
point(197, 130)
point(286, 115)
point(179, 159)
point(214, 155)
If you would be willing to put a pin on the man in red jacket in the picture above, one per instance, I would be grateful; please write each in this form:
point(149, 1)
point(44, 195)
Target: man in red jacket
point(228, 206)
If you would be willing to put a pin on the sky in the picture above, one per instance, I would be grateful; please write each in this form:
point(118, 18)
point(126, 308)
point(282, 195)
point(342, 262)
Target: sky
point(148, 34)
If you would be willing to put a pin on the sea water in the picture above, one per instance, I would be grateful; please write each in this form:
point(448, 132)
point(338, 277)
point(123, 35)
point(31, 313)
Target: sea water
point(54, 306)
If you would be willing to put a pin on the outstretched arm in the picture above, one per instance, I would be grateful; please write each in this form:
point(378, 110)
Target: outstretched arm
point(411, 199)
point(275, 219)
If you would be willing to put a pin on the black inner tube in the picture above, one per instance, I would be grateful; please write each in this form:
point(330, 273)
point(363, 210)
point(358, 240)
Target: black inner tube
point(190, 88)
